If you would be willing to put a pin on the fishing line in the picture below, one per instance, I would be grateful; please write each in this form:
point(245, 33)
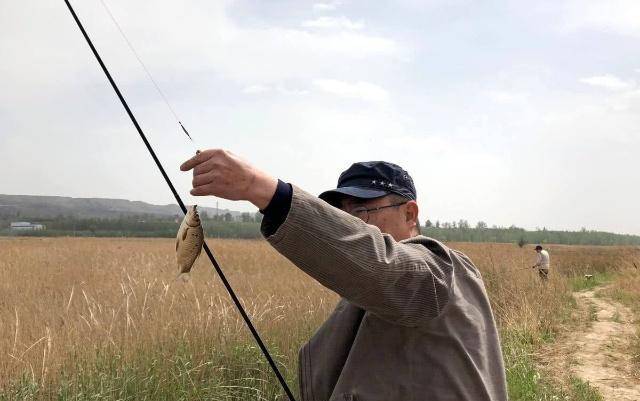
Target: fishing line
point(144, 67)
point(213, 260)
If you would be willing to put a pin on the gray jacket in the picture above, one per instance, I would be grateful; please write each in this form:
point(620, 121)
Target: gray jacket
point(414, 322)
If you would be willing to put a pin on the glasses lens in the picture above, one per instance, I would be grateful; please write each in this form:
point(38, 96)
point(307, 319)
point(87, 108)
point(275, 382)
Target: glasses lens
point(361, 213)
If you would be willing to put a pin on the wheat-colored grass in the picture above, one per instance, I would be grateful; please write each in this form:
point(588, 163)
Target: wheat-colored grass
point(625, 288)
point(69, 303)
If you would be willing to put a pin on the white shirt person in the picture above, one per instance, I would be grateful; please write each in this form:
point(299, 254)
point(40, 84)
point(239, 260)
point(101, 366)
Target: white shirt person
point(542, 262)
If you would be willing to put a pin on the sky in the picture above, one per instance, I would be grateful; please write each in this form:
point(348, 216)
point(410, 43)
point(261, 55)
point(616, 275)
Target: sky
point(509, 112)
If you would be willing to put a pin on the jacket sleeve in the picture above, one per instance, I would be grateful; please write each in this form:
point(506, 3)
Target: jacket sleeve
point(406, 282)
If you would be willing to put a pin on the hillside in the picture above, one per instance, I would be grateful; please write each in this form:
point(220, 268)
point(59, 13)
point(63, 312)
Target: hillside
point(25, 207)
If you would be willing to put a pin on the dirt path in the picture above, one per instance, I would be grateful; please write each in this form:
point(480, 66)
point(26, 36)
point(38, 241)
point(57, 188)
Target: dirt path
point(599, 353)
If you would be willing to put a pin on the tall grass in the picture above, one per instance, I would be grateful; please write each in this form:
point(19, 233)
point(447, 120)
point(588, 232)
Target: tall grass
point(106, 319)
point(625, 288)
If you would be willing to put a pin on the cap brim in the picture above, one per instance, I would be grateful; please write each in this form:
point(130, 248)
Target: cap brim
point(356, 192)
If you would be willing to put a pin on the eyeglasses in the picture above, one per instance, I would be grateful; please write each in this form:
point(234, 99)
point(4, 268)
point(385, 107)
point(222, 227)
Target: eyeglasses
point(363, 213)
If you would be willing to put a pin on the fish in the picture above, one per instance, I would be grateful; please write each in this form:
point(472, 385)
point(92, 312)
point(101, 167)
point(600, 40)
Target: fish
point(189, 240)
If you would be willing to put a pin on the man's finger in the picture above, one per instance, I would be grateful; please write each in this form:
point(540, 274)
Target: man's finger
point(203, 167)
point(201, 179)
point(200, 157)
point(202, 190)
point(191, 163)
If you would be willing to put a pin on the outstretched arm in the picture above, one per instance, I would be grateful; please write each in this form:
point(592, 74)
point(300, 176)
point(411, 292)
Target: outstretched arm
point(405, 282)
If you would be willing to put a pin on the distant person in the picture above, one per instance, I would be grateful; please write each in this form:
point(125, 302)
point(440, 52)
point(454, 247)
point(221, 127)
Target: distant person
point(542, 262)
point(414, 321)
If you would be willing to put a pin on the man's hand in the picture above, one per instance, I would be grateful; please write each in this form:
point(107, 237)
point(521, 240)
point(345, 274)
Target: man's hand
point(220, 173)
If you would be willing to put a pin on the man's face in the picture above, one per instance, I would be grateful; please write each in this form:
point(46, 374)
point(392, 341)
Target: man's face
point(398, 221)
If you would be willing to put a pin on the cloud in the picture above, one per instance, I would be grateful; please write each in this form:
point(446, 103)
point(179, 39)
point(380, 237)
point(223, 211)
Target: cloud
point(254, 89)
point(274, 88)
point(503, 96)
point(202, 41)
point(608, 81)
point(289, 53)
point(333, 22)
point(326, 6)
point(358, 90)
point(618, 16)
point(295, 54)
point(284, 90)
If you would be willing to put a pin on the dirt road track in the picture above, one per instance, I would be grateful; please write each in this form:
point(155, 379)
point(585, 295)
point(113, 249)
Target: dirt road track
point(599, 353)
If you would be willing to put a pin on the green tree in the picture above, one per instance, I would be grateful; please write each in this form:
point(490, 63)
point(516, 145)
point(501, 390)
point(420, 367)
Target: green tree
point(522, 242)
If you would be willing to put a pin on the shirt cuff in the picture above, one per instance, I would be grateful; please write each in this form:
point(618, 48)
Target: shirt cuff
point(277, 210)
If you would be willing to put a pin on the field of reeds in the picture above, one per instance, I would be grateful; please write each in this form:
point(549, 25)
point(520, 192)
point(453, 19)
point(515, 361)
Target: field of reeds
point(626, 289)
point(106, 319)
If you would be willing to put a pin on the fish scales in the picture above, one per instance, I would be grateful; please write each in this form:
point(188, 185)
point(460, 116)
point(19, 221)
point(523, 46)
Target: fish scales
point(189, 240)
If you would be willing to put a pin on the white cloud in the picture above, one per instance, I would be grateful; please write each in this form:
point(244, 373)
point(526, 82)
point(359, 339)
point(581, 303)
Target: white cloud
point(503, 96)
point(326, 6)
point(608, 81)
point(254, 89)
point(294, 54)
point(292, 91)
point(285, 53)
point(358, 90)
point(333, 22)
point(202, 40)
point(205, 38)
point(618, 16)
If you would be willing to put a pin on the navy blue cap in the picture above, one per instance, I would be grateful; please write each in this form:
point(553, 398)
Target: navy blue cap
point(369, 180)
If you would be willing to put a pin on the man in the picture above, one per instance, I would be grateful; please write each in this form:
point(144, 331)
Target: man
point(414, 322)
point(542, 262)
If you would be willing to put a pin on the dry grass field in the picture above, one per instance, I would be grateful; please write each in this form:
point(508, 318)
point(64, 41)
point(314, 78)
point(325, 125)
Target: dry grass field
point(626, 289)
point(106, 319)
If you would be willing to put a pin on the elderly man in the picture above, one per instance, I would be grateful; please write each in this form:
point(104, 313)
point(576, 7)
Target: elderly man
point(414, 321)
point(542, 262)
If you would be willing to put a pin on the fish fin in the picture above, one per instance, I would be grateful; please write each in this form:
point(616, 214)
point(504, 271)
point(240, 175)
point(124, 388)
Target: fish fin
point(184, 234)
point(184, 276)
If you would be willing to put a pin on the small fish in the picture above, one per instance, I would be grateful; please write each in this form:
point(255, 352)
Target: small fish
point(189, 240)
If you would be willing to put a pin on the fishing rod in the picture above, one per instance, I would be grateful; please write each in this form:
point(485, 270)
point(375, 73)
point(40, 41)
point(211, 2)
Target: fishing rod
point(213, 260)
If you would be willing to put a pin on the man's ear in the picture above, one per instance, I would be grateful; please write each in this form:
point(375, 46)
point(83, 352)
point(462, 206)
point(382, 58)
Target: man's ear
point(412, 212)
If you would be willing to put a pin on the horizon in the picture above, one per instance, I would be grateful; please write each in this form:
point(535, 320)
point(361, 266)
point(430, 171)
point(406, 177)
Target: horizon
point(502, 112)
point(433, 220)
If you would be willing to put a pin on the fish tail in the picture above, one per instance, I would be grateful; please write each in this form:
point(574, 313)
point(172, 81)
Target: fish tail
point(185, 277)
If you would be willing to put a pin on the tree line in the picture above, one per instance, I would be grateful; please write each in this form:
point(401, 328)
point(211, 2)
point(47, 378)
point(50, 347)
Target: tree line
point(247, 225)
point(522, 237)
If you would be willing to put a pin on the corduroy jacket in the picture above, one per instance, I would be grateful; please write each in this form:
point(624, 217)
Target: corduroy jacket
point(414, 322)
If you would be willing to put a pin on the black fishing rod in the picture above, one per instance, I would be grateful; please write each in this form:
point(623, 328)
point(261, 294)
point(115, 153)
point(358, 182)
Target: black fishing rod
point(213, 260)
